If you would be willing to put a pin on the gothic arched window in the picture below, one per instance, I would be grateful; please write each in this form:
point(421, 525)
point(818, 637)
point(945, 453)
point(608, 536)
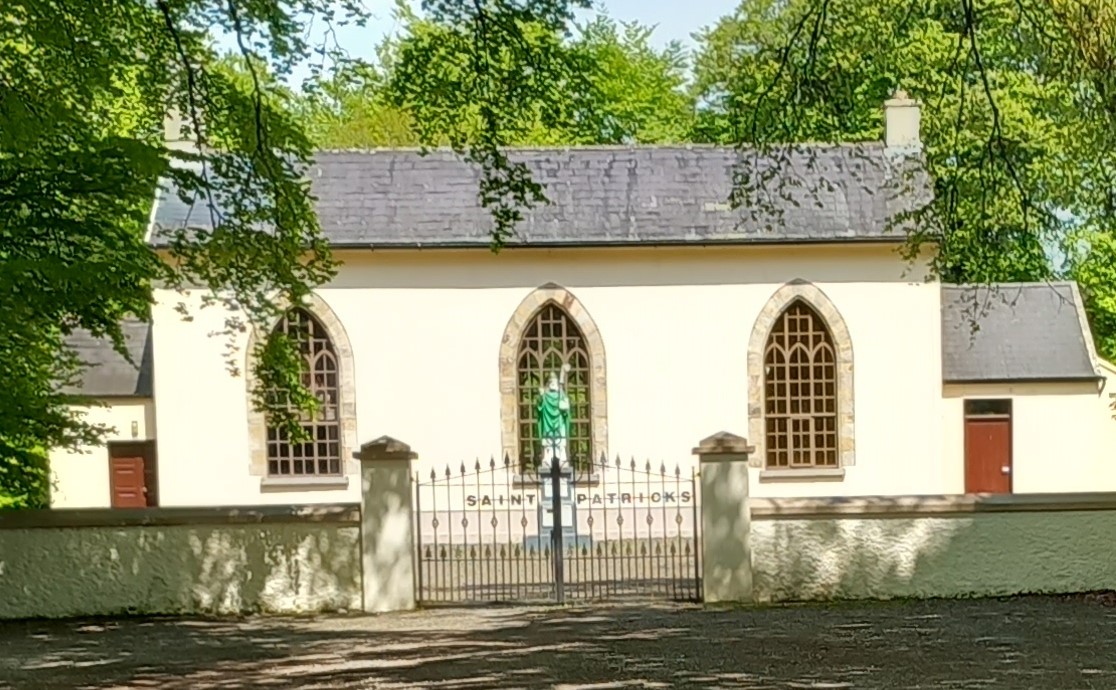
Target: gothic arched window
point(800, 392)
point(320, 455)
point(551, 339)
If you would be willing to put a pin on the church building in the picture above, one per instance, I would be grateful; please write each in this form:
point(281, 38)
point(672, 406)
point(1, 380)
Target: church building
point(798, 325)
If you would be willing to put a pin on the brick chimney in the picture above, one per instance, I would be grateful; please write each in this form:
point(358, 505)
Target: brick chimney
point(902, 120)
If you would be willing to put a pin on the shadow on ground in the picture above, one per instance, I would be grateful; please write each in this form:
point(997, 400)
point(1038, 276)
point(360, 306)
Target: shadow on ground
point(1019, 643)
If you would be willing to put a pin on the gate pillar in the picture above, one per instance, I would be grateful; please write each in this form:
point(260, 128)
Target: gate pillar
point(726, 553)
point(386, 529)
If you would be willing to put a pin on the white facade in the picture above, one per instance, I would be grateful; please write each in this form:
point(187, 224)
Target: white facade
point(425, 330)
point(1063, 434)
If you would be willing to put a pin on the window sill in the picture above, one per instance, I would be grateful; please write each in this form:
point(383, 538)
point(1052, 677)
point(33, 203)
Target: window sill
point(303, 483)
point(835, 474)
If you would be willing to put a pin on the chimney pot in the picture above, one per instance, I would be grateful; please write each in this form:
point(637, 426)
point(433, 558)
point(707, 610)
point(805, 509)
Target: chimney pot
point(173, 136)
point(902, 122)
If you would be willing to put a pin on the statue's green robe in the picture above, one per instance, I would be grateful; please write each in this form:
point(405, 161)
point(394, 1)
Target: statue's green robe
point(553, 421)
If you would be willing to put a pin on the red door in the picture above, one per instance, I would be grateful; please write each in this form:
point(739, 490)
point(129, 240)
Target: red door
point(132, 475)
point(988, 450)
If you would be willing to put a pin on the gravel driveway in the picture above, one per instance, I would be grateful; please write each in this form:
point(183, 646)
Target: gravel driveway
point(1032, 643)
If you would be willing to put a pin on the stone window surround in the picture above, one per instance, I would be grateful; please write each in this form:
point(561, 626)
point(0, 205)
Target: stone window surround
point(509, 357)
point(782, 298)
point(257, 422)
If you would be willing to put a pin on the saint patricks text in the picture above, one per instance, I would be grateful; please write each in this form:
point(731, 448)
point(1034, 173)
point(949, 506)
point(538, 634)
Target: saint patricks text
point(586, 499)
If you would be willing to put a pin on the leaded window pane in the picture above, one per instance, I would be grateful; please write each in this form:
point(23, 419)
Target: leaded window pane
point(550, 340)
point(321, 455)
point(800, 392)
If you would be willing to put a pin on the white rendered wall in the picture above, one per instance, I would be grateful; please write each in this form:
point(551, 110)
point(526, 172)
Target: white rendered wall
point(425, 328)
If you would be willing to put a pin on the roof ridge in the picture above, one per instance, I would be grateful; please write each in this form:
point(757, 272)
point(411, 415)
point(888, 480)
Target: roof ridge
point(605, 147)
point(1021, 283)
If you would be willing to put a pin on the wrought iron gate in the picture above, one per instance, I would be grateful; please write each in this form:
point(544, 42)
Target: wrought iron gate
point(607, 531)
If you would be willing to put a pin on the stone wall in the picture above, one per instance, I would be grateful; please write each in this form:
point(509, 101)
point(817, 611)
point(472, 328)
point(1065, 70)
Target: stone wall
point(292, 560)
point(274, 559)
point(927, 546)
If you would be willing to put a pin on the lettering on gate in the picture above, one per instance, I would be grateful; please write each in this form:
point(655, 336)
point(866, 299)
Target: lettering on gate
point(652, 498)
point(638, 498)
point(474, 501)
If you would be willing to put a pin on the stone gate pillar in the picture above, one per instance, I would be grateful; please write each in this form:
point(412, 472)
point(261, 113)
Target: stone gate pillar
point(726, 554)
point(386, 526)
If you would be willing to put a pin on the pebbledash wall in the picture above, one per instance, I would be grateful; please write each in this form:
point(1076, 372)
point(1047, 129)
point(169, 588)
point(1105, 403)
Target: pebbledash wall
point(265, 559)
point(885, 547)
point(932, 546)
point(675, 325)
point(286, 559)
point(279, 559)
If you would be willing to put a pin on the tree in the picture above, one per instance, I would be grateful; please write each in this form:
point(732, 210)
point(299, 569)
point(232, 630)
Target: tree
point(1017, 120)
point(83, 91)
point(350, 109)
point(607, 85)
point(638, 92)
point(1087, 35)
point(1023, 156)
point(1093, 266)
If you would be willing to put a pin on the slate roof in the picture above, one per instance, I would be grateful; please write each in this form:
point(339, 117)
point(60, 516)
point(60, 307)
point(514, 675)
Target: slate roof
point(644, 195)
point(109, 374)
point(1025, 332)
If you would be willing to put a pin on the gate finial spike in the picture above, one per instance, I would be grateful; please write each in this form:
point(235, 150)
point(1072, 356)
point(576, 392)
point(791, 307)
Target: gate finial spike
point(507, 460)
point(463, 467)
point(677, 470)
point(433, 475)
point(633, 462)
point(618, 460)
point(648, 469)
point(477, 467)
point(604, 460)
point(491, 462)
point(662, 468)
point(448, 472)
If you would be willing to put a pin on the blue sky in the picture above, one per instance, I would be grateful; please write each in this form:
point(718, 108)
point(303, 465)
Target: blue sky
point(673, 20)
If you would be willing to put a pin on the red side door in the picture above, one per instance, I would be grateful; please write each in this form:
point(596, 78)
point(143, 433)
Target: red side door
point(132, 475)
point(988, 466)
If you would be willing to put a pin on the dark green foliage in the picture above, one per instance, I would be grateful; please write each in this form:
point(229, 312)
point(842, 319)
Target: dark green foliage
point(83, 93)
point(24, 479)
point(1017, 121)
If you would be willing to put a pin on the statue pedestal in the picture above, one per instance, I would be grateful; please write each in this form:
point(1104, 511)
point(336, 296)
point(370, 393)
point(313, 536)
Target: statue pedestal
point(563, 504)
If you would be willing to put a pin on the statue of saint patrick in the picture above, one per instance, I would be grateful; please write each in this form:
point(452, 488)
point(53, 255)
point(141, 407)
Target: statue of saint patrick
point(552, 410)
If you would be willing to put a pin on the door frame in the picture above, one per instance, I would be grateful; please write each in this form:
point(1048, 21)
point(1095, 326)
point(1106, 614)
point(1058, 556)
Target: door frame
point(142, 448)
point(1006, 412)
